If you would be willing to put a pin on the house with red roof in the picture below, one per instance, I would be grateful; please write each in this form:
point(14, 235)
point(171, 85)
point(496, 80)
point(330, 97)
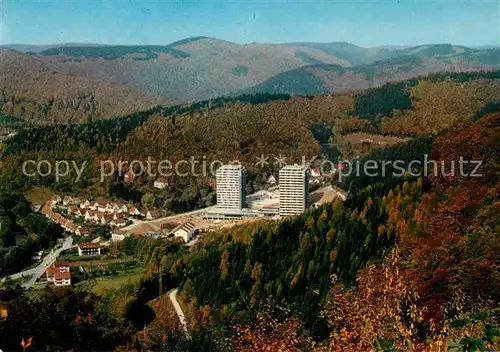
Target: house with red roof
point(59, 273)
point(55, 199)
point(84, 204)
point(67, 200)
point(133, 211)
point(89, 248)
point(46, 210)
point(82, 231)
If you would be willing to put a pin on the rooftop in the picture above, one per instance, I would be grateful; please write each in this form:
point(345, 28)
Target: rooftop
point(62, 275)
point(231, 167)
point(293, 167)
point(88, 245)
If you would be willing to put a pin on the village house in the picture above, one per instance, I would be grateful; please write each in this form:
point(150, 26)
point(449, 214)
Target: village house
point(128, 177)
point(121, 207)
point(57, 218)
point(84, 204)
point(271, 180)
point(67, 200)
point(106, 218)
point(82, 231)
point(89, 248)
point(151, 214)
point(59, 273)
point(112, 208)
point(89, 215)
point(160, 183)
point(102, 205)
point(133, 211)
point(74, 227)
point(94, 205)
point(55, 199)
point(62, 278)
point(46, 210)
point(315, 172)
point(118, 235)
point(185, 231)
point(69, 225)
point(119, 221)
point(74, 210)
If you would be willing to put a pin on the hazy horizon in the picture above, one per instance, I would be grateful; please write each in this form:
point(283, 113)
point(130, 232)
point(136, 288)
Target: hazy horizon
point(367, 24)
point(221, 39)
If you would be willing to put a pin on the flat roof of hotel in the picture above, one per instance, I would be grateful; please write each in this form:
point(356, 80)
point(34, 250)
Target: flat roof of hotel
point(231, 166)
point(293, 167)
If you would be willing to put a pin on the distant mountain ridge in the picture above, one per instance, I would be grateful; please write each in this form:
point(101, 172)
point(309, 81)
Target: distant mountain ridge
point(322, 78)
point(201, 67)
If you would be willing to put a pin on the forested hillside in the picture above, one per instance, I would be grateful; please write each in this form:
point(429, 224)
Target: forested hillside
point(121, 79)
point(31, 89)
point(322, 78)
point(406, 263)
point(245, 127)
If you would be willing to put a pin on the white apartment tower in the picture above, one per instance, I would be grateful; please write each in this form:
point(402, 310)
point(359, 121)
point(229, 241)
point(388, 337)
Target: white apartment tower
point(293, 184)
point(231, 187)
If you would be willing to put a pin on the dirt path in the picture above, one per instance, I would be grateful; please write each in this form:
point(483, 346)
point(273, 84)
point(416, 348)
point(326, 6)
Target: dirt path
point(172, 295)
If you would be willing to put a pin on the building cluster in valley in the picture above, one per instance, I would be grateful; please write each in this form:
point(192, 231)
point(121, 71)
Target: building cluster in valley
point(116, 214)
point(59, 272)
point(232, 202)
point(288, 198)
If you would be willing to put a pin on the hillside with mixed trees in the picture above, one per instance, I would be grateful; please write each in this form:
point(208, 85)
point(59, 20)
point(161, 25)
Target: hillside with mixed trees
point(323, 78)
point(122, 79)
point(405, 264)
point(32, 90)
point(245, 127)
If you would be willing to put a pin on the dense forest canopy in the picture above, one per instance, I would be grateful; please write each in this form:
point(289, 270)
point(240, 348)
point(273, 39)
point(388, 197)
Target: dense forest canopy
point(408, 262)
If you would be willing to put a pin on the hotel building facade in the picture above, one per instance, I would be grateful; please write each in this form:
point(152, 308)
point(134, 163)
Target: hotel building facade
point(293, 186)
point(231, 187)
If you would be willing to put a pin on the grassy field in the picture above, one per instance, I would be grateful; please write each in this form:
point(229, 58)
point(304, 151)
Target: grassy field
point(102, 284)
point(97, 261)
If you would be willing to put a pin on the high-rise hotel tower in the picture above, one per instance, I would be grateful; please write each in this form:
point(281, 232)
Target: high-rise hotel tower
point(231, 187)
point(293, 185)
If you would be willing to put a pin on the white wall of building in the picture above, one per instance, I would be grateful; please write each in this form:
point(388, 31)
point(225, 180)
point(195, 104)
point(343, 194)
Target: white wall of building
point(231, 187)
point(293, 186)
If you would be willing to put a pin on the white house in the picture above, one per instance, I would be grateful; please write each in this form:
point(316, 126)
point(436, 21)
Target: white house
point(102, 206)
point(67, 200)
point(151, 214)
point(185, 231)
point(271, 180)
point(89, 248)
point(118, 235)
point(315, 172)
point(55, 199)
point(133, 211)
point(160, 183)
point(82, 231)
point(84, 204)
point(89, 215)
point(119, 207)
point(59, 273)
